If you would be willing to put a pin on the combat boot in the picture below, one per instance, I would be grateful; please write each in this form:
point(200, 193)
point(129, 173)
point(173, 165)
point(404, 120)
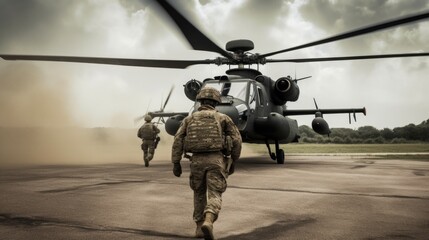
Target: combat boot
point(198, 232)
point(207, 226)
point(146, 163)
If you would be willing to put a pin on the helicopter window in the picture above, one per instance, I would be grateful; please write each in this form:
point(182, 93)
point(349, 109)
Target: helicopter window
point(235, 89)
point(225, 89)
point(252, 97)
point(261, 97)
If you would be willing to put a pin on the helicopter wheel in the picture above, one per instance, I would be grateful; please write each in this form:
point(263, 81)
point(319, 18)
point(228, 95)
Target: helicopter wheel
point(273, 156)
point(280, 156)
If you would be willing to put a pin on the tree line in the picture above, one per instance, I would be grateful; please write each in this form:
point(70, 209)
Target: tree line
point(410, 133)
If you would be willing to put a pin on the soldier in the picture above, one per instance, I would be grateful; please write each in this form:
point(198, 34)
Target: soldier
point(210, 137)
point(149, 135)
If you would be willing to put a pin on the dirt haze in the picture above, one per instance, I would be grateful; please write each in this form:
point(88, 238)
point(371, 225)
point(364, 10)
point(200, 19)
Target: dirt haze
point(34, 146)
point(37, 124)
point(38, 146)
point(29, 99)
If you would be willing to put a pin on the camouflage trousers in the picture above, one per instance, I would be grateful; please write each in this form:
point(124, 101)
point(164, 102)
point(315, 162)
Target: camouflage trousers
point(148, 149)
point(208, 181)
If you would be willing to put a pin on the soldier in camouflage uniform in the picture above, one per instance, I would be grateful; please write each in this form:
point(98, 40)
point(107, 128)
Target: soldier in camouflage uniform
point(209, 163)
point(148, 133)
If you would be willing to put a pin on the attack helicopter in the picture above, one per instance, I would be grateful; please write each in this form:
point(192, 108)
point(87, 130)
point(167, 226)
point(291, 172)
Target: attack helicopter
point(255, 102)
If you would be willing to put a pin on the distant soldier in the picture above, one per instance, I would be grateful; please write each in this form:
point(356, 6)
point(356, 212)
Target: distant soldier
point(211, 137)
point(149, 135)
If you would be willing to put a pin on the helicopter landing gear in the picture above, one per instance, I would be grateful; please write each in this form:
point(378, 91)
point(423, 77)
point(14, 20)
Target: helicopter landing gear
point(279, 155)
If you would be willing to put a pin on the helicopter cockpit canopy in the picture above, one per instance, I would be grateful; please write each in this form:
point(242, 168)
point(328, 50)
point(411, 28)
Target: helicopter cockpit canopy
point(234, 96)
point(230, 90)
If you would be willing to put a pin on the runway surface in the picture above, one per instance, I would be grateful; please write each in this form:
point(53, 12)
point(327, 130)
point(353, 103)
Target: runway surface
point(309, 197)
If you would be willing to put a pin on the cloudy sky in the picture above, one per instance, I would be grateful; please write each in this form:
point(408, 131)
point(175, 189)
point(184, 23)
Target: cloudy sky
point(394, 91)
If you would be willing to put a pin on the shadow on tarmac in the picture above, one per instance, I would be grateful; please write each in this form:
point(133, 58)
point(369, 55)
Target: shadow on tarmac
point(33, 221)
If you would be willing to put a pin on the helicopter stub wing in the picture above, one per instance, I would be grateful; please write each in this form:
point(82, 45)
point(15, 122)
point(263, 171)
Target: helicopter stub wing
point(319, 124)
point(161, 115)
point(167, 114)
point(174, 121)
point(112, 61)
point(290, 112)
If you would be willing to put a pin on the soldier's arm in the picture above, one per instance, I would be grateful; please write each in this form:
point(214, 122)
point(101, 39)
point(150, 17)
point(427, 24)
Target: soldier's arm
point(232, 131)
point(139, 134)
point(156, 129)
point(177, 150)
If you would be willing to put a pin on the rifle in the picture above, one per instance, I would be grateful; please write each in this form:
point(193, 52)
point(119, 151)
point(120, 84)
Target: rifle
point(155, 143)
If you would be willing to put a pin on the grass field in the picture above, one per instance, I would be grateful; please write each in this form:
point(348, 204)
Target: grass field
point(415, 151)
point(346, 148)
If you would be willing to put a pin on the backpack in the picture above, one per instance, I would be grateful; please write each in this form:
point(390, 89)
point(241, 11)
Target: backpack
point(147, 132)
point(204, 133)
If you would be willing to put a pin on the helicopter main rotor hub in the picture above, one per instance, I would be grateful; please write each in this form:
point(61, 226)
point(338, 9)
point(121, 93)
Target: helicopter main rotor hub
point(239, 46)
point(241, 55)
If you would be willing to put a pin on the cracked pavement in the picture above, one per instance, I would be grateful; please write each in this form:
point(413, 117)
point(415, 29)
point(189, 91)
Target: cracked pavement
point(310, 197)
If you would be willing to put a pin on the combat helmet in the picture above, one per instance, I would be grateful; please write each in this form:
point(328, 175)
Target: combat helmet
point(209, 93)
point(147, 118)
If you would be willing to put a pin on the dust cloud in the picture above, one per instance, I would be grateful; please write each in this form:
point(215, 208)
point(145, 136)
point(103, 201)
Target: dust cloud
point(27, 98)
point(74, 145)
point(37, 125)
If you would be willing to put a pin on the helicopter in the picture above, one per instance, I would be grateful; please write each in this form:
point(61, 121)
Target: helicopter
point(255, 102)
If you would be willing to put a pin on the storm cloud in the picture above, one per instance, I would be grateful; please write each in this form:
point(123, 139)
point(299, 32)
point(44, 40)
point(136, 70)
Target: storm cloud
point(103, 96)
point(339, 16)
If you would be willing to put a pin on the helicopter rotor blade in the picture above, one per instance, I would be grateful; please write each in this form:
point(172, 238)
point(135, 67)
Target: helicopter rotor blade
point(300, 79)
point(300, 60)
point(168, 98)
point(315, 103)
point(112, 61)
point(195, 37)
point(138, 119)
point(356, 32)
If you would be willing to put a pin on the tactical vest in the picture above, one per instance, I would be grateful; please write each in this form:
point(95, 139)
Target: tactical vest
point(147, 132)
point(204, 133)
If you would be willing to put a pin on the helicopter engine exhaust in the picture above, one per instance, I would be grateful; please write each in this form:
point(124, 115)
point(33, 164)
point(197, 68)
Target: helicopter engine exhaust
point(283, 90)
point(173, 123)
point(191, 88)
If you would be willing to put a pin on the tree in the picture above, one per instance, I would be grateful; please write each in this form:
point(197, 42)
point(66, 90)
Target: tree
point(367, 132)
point(306, 131)
point(387, 134)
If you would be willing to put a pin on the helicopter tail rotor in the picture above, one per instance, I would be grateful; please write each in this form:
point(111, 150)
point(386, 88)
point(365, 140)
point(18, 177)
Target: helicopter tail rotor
point(168, 98)
point(139, 118)
point(165, 104)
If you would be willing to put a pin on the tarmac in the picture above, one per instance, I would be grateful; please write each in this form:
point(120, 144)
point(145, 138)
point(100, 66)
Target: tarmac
point(309, 197)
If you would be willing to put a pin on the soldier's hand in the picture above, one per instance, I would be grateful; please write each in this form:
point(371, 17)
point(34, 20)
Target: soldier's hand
point(231, 169)
point(177, 169)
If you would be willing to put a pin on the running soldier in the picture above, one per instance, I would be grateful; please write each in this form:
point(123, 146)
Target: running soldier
point(149, 135)
point(215, 144)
